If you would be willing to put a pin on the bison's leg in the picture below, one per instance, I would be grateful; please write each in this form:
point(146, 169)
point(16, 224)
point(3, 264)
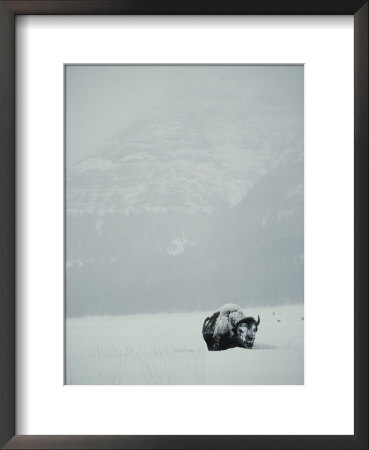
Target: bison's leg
point(211, 343)
point(215, 344)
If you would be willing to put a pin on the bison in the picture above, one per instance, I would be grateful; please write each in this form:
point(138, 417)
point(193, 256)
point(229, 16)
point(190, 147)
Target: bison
point(229, 327)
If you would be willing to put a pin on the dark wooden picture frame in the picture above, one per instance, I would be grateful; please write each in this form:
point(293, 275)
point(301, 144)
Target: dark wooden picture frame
point(8, 12)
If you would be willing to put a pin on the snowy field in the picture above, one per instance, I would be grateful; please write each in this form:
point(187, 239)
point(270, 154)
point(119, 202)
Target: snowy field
point(169, 349)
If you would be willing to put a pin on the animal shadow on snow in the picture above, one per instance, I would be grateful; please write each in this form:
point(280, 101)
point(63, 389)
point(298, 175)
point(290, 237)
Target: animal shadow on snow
point(183, 350)
point(264, 347)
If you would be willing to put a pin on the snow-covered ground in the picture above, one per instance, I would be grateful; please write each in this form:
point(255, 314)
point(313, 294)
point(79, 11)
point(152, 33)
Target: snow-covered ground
point(169, 349)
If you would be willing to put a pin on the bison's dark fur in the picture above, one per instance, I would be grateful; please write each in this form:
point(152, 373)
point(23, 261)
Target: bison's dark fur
point(229, 327)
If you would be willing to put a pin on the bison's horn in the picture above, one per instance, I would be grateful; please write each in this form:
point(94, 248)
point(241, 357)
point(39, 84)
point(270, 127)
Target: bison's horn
point(257, 323)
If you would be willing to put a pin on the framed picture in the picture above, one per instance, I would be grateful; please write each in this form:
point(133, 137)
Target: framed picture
point(188, 210)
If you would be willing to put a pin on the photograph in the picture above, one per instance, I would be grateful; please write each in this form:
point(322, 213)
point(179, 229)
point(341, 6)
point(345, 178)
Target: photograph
point(184, 224)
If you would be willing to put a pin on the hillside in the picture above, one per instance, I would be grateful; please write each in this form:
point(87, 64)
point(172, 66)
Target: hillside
point(198, 204)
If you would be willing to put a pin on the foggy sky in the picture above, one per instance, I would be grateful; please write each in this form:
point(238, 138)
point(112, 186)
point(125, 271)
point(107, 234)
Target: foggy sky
point(102, 101)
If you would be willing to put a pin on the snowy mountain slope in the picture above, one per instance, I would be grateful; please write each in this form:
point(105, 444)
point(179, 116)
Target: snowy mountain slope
point(199, 204)
point(183, 158)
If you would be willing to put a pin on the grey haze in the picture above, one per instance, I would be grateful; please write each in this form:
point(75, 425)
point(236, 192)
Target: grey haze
point(184, 187)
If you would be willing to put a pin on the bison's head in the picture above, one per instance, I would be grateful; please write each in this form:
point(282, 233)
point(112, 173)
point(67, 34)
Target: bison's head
point(245, 331)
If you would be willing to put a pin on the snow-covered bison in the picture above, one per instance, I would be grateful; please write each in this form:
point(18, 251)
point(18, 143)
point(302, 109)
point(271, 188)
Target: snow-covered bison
point(229, 327)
